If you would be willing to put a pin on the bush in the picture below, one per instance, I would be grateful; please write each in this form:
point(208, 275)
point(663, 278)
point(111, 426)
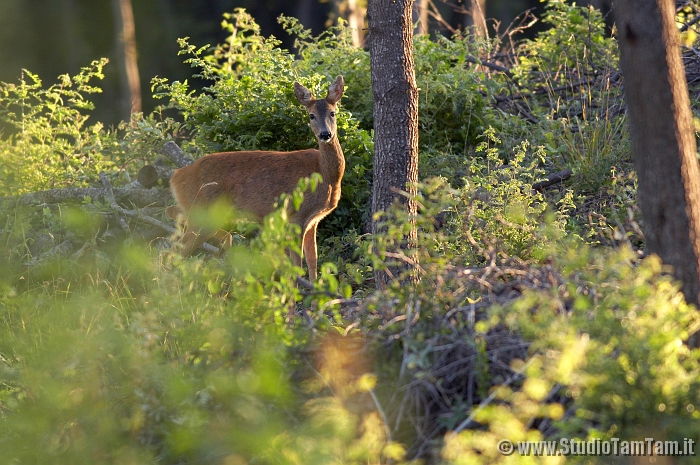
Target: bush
point(607, 361)
point(161, 360)
point(47, 143)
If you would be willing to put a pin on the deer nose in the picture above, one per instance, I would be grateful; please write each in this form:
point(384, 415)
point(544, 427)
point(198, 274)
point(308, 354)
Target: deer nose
point(324, 135)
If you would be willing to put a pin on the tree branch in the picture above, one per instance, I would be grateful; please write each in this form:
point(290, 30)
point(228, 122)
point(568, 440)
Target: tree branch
point(552, 179)
point(136, 197)
point(176, 155)
point(145, 218)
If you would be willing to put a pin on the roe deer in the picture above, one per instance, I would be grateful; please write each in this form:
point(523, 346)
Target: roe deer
point(253, 180)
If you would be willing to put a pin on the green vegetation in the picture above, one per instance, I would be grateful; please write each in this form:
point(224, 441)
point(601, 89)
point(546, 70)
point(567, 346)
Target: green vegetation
point(534, 316)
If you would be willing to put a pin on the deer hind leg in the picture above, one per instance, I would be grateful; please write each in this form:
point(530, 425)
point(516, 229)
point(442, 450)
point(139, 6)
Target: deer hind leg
point(295, 257)
point(310, 251)
point(173, 212)
point(192, 239)
point(225, 239)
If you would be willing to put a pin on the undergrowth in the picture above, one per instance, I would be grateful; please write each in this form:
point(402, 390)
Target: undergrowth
point(530, 315)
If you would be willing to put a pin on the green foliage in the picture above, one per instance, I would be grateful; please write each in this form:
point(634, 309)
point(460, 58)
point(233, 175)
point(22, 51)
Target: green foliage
point(496, 211)
point(575, 40)
point(630, 372)
point(568, 78)
point(605, 344)
point(162, 360)
point(590, 148)
point(612, 340)
point(123, 353)
point(503, 212)
point(453, 97)
point(46, 142)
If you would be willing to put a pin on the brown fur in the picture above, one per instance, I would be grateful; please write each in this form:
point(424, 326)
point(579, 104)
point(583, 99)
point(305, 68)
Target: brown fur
point(253, 180)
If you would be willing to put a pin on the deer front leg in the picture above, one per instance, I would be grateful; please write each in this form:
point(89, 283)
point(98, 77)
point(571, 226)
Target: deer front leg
point(309, 245)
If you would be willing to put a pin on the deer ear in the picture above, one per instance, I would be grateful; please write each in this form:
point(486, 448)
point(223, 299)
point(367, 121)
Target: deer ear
point(335, 91)
point(303, 94)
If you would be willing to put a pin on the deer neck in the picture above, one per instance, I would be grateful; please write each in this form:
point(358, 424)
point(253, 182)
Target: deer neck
point(331, 161)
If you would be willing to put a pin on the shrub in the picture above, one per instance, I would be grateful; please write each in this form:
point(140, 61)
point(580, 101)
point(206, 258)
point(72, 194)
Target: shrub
point(607, 347)
point(47, 143)
point(163, 360)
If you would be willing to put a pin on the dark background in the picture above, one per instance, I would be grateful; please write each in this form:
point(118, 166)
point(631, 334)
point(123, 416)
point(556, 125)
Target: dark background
point(53, 37)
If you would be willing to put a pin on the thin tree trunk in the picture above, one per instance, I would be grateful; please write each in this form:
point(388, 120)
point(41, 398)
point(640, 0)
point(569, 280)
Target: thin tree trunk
point(477, 18)
point(69, 30)
point(304, 12)
point(395, 99)
point(663, 139)
point(420, 16)
point(356, 22)
point(126, 37)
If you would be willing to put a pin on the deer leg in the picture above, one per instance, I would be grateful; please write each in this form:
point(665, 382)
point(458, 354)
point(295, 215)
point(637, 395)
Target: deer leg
point(295, 257)
point(225, 238)
point(309, 246)
point(192, 239)
point(173, 211)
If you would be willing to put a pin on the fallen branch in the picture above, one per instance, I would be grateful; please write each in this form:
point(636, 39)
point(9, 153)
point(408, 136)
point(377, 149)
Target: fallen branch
point(149, 175)
point(136, 197)
point(145, 218)
point(176, 155)
point(690, 23)
point(62, 250)
point(488, 64)
point(552, 179)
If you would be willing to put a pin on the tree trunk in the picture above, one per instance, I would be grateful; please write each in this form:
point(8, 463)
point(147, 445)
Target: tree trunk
point(395, 99)
point(70, 34)
point(126, 38)
point(420, 16)
point(356, 22)
point(304, 12)
point(477, 17)
point(663, 139)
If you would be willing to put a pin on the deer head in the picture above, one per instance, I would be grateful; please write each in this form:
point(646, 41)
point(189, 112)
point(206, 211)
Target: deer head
point(321, 112)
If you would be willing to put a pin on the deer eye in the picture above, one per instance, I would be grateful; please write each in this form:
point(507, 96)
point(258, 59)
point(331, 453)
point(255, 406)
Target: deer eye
point(332, 114)
point(312, 116)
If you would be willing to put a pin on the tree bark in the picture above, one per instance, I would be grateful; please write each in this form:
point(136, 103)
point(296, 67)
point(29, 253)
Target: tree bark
point(663, 140)
point(126, 38)
point(395, 100)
